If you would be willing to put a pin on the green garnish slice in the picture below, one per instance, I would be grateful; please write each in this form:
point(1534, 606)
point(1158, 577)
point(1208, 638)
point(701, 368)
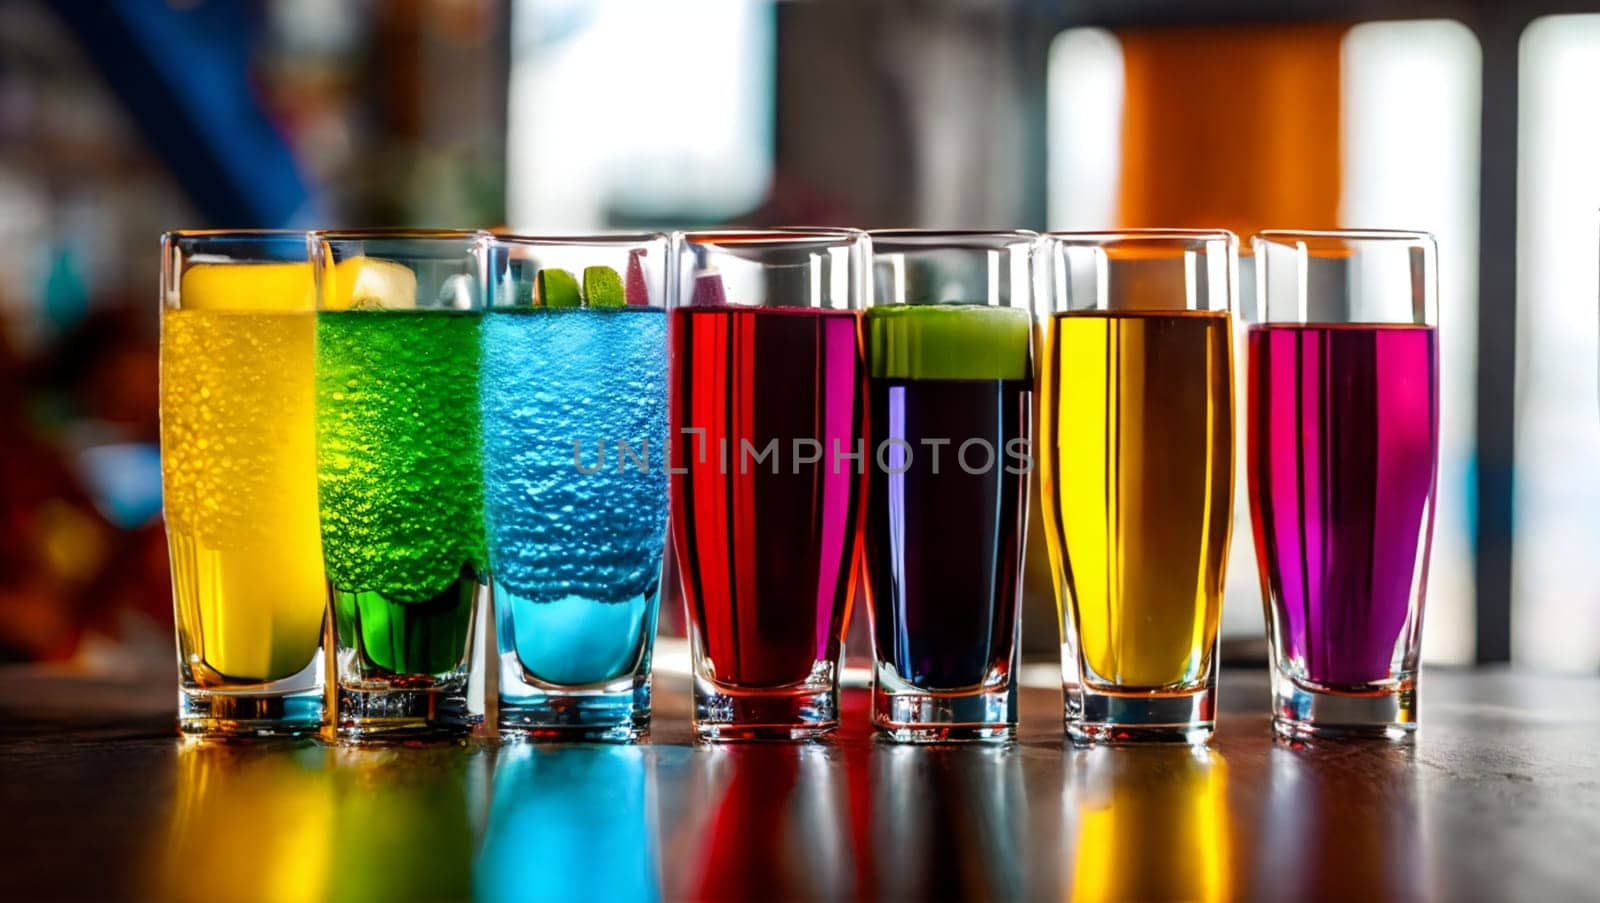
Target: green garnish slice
point(948, 341)
point(602, 287)
point(557, 288)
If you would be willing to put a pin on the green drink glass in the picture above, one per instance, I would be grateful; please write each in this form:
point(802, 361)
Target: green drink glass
point(399, 485)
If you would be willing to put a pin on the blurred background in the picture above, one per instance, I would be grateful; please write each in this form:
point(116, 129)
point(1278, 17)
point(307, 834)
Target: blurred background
point(1474, 120)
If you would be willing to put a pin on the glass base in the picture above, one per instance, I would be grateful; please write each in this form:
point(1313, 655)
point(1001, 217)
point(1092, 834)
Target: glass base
point(403, 715)
point(1301, 712)
point(722, 714)
point(215, 714)
point(548, 714)
point(924, 717)
point(1071, 704)
point(1144, 718)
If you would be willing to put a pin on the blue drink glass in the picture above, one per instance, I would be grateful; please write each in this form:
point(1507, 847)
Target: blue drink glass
point(574, 394)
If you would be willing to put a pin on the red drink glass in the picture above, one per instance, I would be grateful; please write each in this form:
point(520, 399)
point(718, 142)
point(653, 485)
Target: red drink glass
point(766, 398)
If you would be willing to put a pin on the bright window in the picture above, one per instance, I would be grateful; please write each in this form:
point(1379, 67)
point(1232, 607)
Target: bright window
point(1410, 147)
point(1556, 568)
point(624, 112)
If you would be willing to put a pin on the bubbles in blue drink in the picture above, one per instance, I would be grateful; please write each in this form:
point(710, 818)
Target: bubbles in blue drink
point(576, 556)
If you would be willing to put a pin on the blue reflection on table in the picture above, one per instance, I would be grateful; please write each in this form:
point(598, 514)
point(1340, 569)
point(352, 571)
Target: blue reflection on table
point(569, 822)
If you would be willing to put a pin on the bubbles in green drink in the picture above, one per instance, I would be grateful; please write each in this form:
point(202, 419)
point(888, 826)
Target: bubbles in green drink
point(398, 450)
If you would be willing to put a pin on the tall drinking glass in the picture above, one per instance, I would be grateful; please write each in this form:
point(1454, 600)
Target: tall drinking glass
point(1343, 462)
point(1137, 434)
point(950, 377)
point(239, 486)
point(574, 385)
point(399, 477)
point(767, 470)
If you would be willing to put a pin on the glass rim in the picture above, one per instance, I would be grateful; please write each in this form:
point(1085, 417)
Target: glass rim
point(1091, 237)
point(956, 239)
point(1256, 325)
point(595, 239)
point(234, 234)
point(1309, 236)
point(410, 248)
point(379, 234)
point(502, 252)
point(790, 236)
point(888, 242)
point(184, 249)
point(239, 247)
point(1217, 250)
point(1347, 245)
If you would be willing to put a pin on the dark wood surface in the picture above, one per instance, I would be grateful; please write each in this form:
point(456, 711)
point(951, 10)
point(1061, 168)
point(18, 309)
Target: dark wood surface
point(1498, 799)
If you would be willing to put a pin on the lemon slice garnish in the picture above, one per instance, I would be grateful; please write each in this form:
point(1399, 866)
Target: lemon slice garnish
point(247, 287)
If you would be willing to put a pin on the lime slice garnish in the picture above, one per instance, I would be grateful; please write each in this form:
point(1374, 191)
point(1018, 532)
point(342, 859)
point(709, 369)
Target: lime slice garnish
point(557, 288)
point(602, 287)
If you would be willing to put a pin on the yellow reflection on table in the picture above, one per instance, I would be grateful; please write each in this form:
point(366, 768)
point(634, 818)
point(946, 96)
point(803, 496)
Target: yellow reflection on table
point(286, 822)
point(1152, 825)
point(251, 823)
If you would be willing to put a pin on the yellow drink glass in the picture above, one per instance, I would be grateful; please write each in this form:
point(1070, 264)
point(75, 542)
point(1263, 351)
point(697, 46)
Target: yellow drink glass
point(238, 463)
point(1137, 432)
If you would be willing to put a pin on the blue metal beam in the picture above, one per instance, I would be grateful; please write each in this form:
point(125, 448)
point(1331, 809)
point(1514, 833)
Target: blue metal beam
point(183, 74)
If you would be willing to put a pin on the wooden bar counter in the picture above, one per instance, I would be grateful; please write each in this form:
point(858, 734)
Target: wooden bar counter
point(1499, 798)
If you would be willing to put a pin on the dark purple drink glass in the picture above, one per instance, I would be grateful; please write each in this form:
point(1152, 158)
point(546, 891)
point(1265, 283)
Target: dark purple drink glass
point(1343, 449)
point(949, 338)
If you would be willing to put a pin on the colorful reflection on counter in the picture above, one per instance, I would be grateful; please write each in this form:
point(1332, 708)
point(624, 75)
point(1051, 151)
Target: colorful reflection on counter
point(963, 811)
point(403, 828)
point(1152, 825)
point(570, 823)
point(1369, 804)
point(250, 822)
point(296, 821)
point(288, 823)
point(765, 817)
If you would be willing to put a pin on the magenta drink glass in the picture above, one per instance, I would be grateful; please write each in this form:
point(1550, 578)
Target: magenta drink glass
point(1343, 450)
